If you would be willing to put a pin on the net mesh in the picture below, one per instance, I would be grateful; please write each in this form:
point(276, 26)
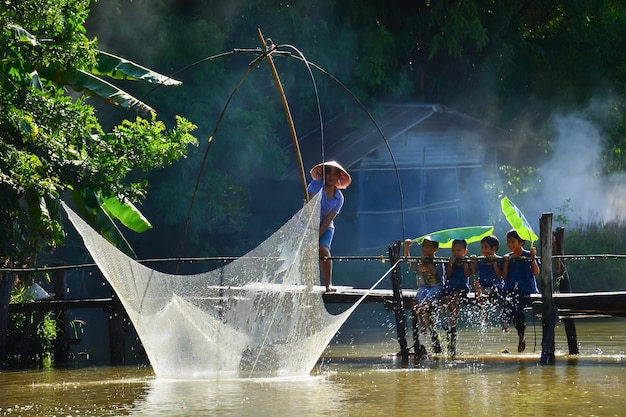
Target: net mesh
point(261, 315)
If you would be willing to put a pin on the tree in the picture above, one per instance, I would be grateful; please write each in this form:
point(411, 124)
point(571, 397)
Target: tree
point(510, 63)
point(52, 144)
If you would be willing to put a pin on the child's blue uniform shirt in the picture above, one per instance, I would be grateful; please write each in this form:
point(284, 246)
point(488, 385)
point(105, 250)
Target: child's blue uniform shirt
point(332, 205)
point(521, 275)
point(487, 275)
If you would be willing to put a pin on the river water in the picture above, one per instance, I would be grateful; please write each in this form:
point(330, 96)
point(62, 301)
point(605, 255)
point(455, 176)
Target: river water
point(359, 375)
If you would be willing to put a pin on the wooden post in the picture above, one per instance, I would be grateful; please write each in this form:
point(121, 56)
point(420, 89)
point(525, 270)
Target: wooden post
point(418, 349)
point(549, 312)
point(398, 305)
point(62, 342)
point(117, 347)
point(564, 287)
point(6, 286)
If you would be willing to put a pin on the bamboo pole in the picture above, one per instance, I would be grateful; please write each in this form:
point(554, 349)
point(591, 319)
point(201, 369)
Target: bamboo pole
point(292, 128)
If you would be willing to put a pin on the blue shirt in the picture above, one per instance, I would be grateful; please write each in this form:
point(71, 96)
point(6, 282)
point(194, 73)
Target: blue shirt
point(521, 274)
point(486, 275)
point(457, 280)
point(332, 205)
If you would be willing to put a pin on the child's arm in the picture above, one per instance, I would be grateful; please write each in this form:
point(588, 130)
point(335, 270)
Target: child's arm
point(533, 256)
point(497, 269)
point(450, 266)
point(473, 264)
point(466, 270)
point(326, 223)
point(505, 267)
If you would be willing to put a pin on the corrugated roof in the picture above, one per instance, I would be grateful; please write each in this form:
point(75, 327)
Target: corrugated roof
point(352, 136)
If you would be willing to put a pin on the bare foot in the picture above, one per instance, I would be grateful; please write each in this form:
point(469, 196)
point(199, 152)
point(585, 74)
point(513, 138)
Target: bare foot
point(329, 289)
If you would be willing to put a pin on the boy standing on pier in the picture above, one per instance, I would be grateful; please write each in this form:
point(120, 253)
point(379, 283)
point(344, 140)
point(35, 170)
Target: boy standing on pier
point(518, 271)
point(329, 178)
point(429, 286)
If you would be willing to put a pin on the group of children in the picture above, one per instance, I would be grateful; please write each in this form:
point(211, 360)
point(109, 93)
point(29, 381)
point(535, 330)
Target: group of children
point(506, 281)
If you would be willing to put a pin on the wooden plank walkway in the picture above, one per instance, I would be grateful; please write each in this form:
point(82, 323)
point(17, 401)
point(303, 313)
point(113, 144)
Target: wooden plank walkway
point(569, 304)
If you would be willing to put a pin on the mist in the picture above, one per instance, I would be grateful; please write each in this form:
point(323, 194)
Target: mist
point(573, 183)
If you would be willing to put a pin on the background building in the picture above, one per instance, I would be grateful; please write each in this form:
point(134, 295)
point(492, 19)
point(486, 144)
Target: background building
point(426, 161)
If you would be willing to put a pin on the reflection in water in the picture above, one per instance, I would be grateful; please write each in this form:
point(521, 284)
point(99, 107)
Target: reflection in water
point(354, 379)
point(276, 397)
point(64, 392)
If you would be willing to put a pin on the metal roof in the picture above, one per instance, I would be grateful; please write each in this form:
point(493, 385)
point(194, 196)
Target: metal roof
point(352, 136)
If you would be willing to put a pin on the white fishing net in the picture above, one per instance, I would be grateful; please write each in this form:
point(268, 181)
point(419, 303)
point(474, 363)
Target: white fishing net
point(262, 315)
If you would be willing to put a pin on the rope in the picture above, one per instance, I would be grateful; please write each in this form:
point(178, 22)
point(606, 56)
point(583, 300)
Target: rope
point(590, 257)
point(380, 258)
point(379, 280)
point(185, 68)
point(206, 153)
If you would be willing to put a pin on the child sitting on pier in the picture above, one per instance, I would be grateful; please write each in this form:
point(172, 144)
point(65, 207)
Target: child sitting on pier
point(518, 271)
point(429, 285)
point(455, 289)
point(489, 283)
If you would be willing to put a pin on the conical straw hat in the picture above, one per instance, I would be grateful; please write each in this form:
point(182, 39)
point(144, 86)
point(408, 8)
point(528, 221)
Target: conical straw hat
point(317, 173)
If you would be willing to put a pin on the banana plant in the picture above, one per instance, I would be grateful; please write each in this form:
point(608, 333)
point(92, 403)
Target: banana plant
point(112, 66)
point(99, 212)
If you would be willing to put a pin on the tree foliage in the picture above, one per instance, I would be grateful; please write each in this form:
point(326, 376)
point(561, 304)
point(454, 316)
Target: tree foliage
point(52, 142)
point(513, 63)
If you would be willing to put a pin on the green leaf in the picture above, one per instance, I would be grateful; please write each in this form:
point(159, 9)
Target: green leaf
point(517, 220)
point(23, 35)
point(127, 213)
point(445, 237)
point(121, 69)
point(84, 81)
point(35, 81)
point(89, 205)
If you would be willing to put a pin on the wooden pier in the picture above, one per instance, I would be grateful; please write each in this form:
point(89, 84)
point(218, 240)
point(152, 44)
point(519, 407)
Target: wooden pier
point(574, 305)
point(547, 305)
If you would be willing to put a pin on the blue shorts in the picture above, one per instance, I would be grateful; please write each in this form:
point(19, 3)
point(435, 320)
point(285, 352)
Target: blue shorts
point(327, 238)
point(428, 293)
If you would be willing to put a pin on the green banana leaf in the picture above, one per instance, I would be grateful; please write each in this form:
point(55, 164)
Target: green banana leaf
point(127, 213)
point(89, 204)
point(121, 69)
point(108, 65)
point(446, 237)
point(517, 220)
point(22, 35)
point(91, 84)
